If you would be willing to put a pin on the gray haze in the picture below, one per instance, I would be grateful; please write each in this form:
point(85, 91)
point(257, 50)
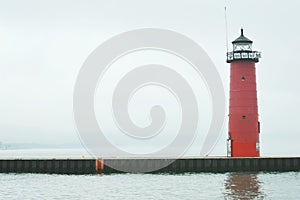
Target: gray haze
point(43, 45)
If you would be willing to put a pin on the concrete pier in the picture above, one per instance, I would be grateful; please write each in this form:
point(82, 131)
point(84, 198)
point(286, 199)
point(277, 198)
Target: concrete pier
point(56, 166)
point(192, 165)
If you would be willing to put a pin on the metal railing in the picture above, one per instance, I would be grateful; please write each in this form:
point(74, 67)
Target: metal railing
point(243, 55)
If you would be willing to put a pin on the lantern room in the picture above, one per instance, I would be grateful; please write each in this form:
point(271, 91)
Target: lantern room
point(242, 50)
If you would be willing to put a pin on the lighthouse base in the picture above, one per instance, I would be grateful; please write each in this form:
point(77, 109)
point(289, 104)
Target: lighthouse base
point(245, 149)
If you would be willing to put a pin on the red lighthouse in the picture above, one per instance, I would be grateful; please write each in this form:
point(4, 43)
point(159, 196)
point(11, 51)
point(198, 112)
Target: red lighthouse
point(244, 126)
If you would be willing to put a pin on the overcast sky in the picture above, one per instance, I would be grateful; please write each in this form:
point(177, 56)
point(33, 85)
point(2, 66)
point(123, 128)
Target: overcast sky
point(44, 43)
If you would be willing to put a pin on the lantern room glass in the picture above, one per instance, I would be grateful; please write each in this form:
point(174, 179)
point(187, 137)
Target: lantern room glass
point(242, 47)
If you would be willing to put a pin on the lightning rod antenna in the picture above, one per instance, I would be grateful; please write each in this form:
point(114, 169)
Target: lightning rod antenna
point(226, 26)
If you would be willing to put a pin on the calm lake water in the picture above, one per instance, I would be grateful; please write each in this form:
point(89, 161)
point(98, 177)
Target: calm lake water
point(149, 186)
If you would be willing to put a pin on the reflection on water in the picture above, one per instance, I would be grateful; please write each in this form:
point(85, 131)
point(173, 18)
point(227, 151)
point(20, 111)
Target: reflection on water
point(243, 186)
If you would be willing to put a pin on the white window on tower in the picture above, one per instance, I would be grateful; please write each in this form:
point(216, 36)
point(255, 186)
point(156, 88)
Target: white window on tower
point(237, 55)
point(244, 55)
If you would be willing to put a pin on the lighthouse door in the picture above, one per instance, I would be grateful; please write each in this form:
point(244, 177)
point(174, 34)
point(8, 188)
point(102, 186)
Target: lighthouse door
point(229, 147)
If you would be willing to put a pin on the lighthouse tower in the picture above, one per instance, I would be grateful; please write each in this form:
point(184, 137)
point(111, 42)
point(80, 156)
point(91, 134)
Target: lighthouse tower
point(244, 127)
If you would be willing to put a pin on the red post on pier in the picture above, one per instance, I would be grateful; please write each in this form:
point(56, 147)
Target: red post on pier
point(99, 165)
point(243, 109)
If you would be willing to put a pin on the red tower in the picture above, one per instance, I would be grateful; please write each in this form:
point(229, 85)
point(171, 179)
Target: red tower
point(244, 126)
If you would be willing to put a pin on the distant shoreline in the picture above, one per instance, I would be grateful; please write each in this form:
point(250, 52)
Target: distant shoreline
point(20, 146)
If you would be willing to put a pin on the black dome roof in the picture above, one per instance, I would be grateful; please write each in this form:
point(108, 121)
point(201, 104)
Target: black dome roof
point(242, 39)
